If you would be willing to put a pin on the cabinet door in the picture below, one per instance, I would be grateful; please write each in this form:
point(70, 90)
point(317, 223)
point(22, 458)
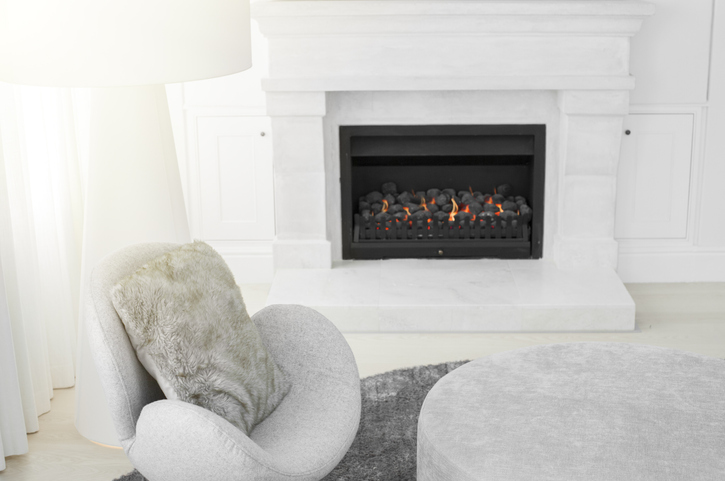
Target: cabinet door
point(653, 181)
point(235, 178)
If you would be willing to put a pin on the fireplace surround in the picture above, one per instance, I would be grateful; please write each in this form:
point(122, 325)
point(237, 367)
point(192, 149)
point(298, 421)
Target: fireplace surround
point(560, 64)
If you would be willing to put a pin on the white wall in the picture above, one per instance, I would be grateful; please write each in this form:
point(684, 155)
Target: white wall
point(678, 59)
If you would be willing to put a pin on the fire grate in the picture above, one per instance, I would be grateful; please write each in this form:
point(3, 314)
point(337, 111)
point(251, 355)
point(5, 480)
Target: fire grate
point(372, 230)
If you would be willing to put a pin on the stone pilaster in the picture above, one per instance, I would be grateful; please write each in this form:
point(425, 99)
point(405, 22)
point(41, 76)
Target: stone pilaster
point(299, 179)
point(591, 132)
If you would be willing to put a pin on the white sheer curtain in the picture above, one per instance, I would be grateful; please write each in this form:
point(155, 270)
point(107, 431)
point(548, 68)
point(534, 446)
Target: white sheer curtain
point(41, 220)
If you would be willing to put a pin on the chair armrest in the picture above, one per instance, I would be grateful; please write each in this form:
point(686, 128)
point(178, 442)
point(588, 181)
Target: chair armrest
point(319, 417)
point(178, 441)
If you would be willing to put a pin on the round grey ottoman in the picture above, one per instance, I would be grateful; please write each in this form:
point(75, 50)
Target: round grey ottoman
point(580, 411)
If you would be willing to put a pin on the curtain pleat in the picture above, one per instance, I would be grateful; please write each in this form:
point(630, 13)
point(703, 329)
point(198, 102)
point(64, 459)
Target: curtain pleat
point(12, 426)
point(41, 219)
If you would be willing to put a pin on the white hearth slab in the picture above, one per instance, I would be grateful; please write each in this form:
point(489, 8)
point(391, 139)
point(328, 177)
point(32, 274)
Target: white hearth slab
point(444, 295)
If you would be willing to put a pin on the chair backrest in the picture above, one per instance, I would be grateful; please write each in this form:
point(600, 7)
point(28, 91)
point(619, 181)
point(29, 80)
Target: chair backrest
point(127, 385)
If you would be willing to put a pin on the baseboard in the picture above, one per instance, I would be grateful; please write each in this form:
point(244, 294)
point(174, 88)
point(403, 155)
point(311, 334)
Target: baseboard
point(250, 261)
point(697, 266)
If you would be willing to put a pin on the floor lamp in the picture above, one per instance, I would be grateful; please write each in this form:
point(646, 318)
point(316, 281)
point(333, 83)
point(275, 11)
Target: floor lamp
point(126, 50)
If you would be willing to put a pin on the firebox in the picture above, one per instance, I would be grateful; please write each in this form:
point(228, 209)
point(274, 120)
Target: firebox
point(422, 191)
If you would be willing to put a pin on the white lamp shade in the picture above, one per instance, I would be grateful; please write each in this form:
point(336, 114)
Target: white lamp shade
point(108, 43)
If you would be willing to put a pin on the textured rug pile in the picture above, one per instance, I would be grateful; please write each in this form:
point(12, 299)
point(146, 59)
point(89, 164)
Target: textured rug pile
point(385, 446)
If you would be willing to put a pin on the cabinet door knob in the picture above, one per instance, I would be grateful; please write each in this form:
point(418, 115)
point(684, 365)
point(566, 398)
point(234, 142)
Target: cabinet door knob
point(627, 131)
point(262, 134)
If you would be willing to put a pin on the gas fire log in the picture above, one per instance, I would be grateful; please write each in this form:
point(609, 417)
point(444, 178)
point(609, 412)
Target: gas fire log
point(374, 197)
point(442, 199)
point(504, 190)
point(467, 199)
point(389, 188)
point(404, 198)
point(475, 208)
point(432, 193)
point(421, 215)
point(441, 215)
point(412, 208)
point(449, 192)
point(510, 206)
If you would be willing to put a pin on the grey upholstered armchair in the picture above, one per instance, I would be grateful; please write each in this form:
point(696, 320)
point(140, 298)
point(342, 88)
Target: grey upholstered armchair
point(303, 439)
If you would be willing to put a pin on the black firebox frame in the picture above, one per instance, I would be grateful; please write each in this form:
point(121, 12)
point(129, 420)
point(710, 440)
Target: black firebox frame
point(495, 144)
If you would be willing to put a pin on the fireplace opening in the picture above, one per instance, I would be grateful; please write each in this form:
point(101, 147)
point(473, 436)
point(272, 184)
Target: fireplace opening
point(422, 191)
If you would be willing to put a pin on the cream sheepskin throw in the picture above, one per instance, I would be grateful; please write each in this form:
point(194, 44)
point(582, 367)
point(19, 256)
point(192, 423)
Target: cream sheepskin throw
point(186, 319)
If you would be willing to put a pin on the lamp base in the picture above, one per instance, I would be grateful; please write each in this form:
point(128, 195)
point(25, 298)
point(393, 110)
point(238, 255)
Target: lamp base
point(133, 195)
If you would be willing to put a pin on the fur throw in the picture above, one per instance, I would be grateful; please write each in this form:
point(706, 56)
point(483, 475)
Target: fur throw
point(187, 321)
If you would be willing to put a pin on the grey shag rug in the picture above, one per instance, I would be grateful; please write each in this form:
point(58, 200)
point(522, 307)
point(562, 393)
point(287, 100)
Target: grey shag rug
point(385, 446)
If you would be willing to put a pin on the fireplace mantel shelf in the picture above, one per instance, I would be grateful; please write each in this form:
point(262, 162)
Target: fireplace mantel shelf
point(347, 45)
point(490, 82)
point(334, 8)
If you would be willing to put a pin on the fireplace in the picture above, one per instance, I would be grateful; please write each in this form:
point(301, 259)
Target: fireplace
point(422, 70)
point(437, 191)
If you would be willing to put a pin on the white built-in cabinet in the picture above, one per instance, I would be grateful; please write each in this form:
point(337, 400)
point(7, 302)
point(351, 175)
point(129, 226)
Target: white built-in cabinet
point(653, 184)
point(235, 178)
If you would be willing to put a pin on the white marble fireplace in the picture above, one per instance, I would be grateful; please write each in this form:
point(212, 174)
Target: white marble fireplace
point(564, 64)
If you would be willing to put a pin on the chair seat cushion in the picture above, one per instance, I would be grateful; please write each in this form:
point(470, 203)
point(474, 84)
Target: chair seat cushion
point(187, 321)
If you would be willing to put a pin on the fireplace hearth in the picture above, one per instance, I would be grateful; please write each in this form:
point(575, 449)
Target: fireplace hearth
point(424, 191)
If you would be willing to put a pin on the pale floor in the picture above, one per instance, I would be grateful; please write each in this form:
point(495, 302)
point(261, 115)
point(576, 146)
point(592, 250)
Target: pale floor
point(690, 317)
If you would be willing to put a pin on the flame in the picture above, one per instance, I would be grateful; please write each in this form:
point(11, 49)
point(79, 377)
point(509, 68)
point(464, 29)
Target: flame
point(494, 191)
point(423, 204)
point(452, 215)
point(488, 200)
point(407, 210)
point(470, 190)
point(499, 209)
point(433, 200)
point(385, 205)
